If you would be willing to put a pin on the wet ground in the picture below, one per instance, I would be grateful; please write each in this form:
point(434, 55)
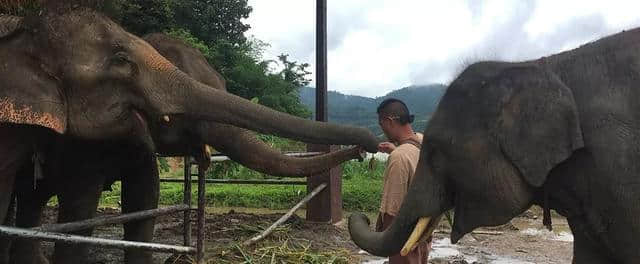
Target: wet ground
point(523, 240)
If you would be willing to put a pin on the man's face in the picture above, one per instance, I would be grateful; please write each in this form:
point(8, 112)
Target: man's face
point(387, 125)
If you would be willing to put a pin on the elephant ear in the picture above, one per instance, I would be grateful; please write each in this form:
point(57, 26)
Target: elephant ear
point(9, 25)
point(29, 92)
point(538, 126)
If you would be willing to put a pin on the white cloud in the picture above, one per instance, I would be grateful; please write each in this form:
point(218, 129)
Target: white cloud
point(376, 46)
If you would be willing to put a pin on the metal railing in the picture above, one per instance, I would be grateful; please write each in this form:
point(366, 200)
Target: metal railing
point(55, 232)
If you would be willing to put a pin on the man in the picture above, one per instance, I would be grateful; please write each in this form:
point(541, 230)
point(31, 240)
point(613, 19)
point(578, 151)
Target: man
point(404, 151)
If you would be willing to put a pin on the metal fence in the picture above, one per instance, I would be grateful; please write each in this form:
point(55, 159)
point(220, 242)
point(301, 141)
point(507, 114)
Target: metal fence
point(55, 232)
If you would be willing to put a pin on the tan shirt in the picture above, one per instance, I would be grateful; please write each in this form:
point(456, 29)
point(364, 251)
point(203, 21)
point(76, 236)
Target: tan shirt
point(401, 165)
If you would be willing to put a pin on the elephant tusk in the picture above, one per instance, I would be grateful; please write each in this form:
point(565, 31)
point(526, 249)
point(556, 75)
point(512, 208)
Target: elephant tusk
point(166, 118)
point(411, 243)
point(208, 150)
point(432, 227)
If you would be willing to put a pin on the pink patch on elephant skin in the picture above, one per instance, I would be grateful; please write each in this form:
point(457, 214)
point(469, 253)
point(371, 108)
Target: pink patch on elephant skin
point(11, 113)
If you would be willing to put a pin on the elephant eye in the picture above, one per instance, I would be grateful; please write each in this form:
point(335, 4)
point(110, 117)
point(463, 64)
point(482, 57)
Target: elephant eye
point(120, 58)
point(122, 66)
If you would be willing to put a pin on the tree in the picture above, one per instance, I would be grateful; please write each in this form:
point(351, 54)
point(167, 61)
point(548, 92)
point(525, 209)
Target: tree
point(214, 20)
point(141, 16)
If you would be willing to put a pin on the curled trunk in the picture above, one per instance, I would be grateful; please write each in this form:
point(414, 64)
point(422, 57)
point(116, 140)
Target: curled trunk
point(245, 148)
point(424, 199)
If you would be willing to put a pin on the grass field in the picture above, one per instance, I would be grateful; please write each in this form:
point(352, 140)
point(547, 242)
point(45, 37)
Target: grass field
point(361, 189)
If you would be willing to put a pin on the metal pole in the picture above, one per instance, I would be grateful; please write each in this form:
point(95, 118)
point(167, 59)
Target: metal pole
point(222, 157)
point(107, 220)
point(72, 239)
point(321, 61)
point(234, 181)
point(201, 216)
point(186, 232)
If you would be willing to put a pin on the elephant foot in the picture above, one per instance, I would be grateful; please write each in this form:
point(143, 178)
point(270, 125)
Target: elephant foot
point(70, 254)
point(144, 257)
point(28, 256)
point(5, 245)
point(180, 259)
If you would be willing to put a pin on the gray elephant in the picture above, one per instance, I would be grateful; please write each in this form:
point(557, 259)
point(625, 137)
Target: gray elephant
point(560, 132)
point(73, 71)
point(110, 161)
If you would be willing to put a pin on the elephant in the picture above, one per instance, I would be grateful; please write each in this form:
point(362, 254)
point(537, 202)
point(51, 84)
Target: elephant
point(82, 75)
point(70, 71)
point(107, 162)
point(560, 132)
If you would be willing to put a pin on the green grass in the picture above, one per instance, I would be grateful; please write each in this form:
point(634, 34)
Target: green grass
point(361, 186)
point(361, 190)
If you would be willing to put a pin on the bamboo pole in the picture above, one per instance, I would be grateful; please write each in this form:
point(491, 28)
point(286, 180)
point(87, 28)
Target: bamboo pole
point(286, 216)
point(108, 220)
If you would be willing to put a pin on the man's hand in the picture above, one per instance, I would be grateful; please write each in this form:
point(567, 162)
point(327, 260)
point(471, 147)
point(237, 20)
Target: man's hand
point(386, 147)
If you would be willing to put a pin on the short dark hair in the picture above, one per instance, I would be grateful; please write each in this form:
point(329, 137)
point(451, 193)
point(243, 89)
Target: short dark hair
point(392, 107)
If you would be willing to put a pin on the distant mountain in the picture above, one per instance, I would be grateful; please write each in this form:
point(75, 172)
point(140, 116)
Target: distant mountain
point(361, 111)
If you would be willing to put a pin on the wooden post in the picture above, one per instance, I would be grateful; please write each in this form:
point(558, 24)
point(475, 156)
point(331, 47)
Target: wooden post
point(327, 205)
point(187, 200)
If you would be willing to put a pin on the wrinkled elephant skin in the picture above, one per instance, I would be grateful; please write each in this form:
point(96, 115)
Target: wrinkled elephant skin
point(560, 132)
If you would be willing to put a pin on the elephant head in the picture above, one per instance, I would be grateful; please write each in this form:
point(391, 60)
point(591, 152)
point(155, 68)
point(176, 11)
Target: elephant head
point(498, 131)
point(185, 135)
point(76, 72)
point(73, 71)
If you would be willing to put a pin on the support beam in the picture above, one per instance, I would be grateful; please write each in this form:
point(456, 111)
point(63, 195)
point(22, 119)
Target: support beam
point(201, 215)
point(321, 61)
point(285, 217)
point(326, 206)
point(93, 241)
point(235, 181)
point(186, 225)
point(108, 220)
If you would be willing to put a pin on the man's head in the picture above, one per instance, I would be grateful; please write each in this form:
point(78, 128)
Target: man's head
point(394, 119)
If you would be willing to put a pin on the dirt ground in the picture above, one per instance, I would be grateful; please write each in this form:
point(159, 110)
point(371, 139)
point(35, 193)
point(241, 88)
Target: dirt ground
point(523, 240)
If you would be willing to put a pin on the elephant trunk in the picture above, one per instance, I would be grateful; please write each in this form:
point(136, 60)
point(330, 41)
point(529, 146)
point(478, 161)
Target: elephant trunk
point(190, 97)
point(424, 199)
point(245, 148)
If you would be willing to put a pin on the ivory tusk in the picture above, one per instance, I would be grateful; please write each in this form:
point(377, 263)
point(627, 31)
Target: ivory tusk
point(166, 118)
point(422, 224)
point(208, 150)
point(429, 231)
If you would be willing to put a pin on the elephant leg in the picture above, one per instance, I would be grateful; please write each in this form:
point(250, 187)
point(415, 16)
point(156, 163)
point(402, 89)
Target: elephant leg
point(14, 150)
point(29, 214)
point(5, 243)
point(585, 249)
point(77, 202)
point(140, 186)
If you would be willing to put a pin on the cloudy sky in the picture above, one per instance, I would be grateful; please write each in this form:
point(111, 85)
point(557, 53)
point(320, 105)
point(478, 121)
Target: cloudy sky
point(376, 46)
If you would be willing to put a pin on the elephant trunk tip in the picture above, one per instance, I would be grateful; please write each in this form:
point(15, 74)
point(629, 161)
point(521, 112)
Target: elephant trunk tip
point(363, 237)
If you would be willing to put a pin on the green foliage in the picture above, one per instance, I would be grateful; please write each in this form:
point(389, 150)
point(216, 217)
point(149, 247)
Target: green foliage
point(142, 16)
point(186, 36)
point(163, 165)
point(217, 29)
point(214, 20)
point(361, 191)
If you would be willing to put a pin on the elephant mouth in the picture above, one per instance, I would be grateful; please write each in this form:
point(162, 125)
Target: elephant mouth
point(140, 117)
point(422, 231)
